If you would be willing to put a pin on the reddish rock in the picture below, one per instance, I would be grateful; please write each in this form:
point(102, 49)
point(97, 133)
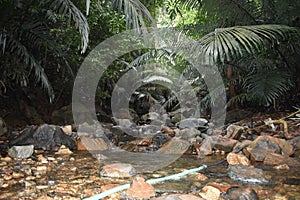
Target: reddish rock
point(118, 170)
point(265, 145)
point(91, 144)
point(108, 187)
point(140, 189)
point(274, 159)
point(236, 159)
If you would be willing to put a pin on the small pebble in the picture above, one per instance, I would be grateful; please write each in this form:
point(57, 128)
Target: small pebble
point(40, 187)
point(282, 167)
point(7, 177)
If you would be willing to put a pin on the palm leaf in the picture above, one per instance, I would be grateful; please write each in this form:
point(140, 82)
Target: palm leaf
point(134, 12)
point(66, 8)
point(266, 85)
point(235, 42)
point(25, 57)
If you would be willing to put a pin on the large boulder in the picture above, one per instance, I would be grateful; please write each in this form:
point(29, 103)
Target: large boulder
point(265, 145)
point(46, 137)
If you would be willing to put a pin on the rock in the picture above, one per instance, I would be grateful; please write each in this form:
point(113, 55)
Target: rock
point(91, 144)
point(264, 145)
point(282, 167)
point(295, 142)
point(108, 187)
point(140, 189)
point(211, 193)
point(174, 146)
point(193, 123)
point(237, 159)
point(126, 123)
point(240, 194)
point(234, 131)
point(67, 129)
point(46, 137)
point(64, 150)
point(246, 174)
point(21, 151)
point(150, 116)
point(189, 133)
point(118, 170)
point(218, 142)
point(178, 197)
point(273, 159)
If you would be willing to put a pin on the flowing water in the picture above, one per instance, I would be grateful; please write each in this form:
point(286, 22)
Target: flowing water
point(76, 176)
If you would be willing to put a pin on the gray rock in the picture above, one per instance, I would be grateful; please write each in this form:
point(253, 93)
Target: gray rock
point(21, 151)
point(118, 170)
point(218, 142)
point(46, 137)
point(246, 174)
point(193, 123)
point(240, 194)
point(189, 133)
point(126, 123)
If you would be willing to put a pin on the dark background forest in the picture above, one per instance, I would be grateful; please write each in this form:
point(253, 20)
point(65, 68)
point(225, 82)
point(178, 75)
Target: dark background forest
point(43, 44)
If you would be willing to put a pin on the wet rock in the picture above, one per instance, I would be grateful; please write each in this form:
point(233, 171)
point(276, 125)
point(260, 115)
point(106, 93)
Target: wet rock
point(246, 174)
point(209, 192)
point(178, 197)
point(46, 137)
point(234, 131)
point(273, 159)
point(237, 159)
point(174, 146)
point(140, 189)
point(21, 151)
point(189, 133)
point(265, 145)
point(118, 170)
point(217, 142)
point(295, 142)
point(193, 123)
point(240, 194)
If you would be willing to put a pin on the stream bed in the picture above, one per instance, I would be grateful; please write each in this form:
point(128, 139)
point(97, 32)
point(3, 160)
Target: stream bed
point(76, 176)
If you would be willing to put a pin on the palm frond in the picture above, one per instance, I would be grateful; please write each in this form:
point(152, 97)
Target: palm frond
point(25, 57)
point(2, 40)
point(134, 12)
point(66, 8)
point(235, 42)
point(266, 85)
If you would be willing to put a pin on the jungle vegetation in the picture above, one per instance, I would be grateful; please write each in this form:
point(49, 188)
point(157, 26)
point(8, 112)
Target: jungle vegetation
point(254, 43)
